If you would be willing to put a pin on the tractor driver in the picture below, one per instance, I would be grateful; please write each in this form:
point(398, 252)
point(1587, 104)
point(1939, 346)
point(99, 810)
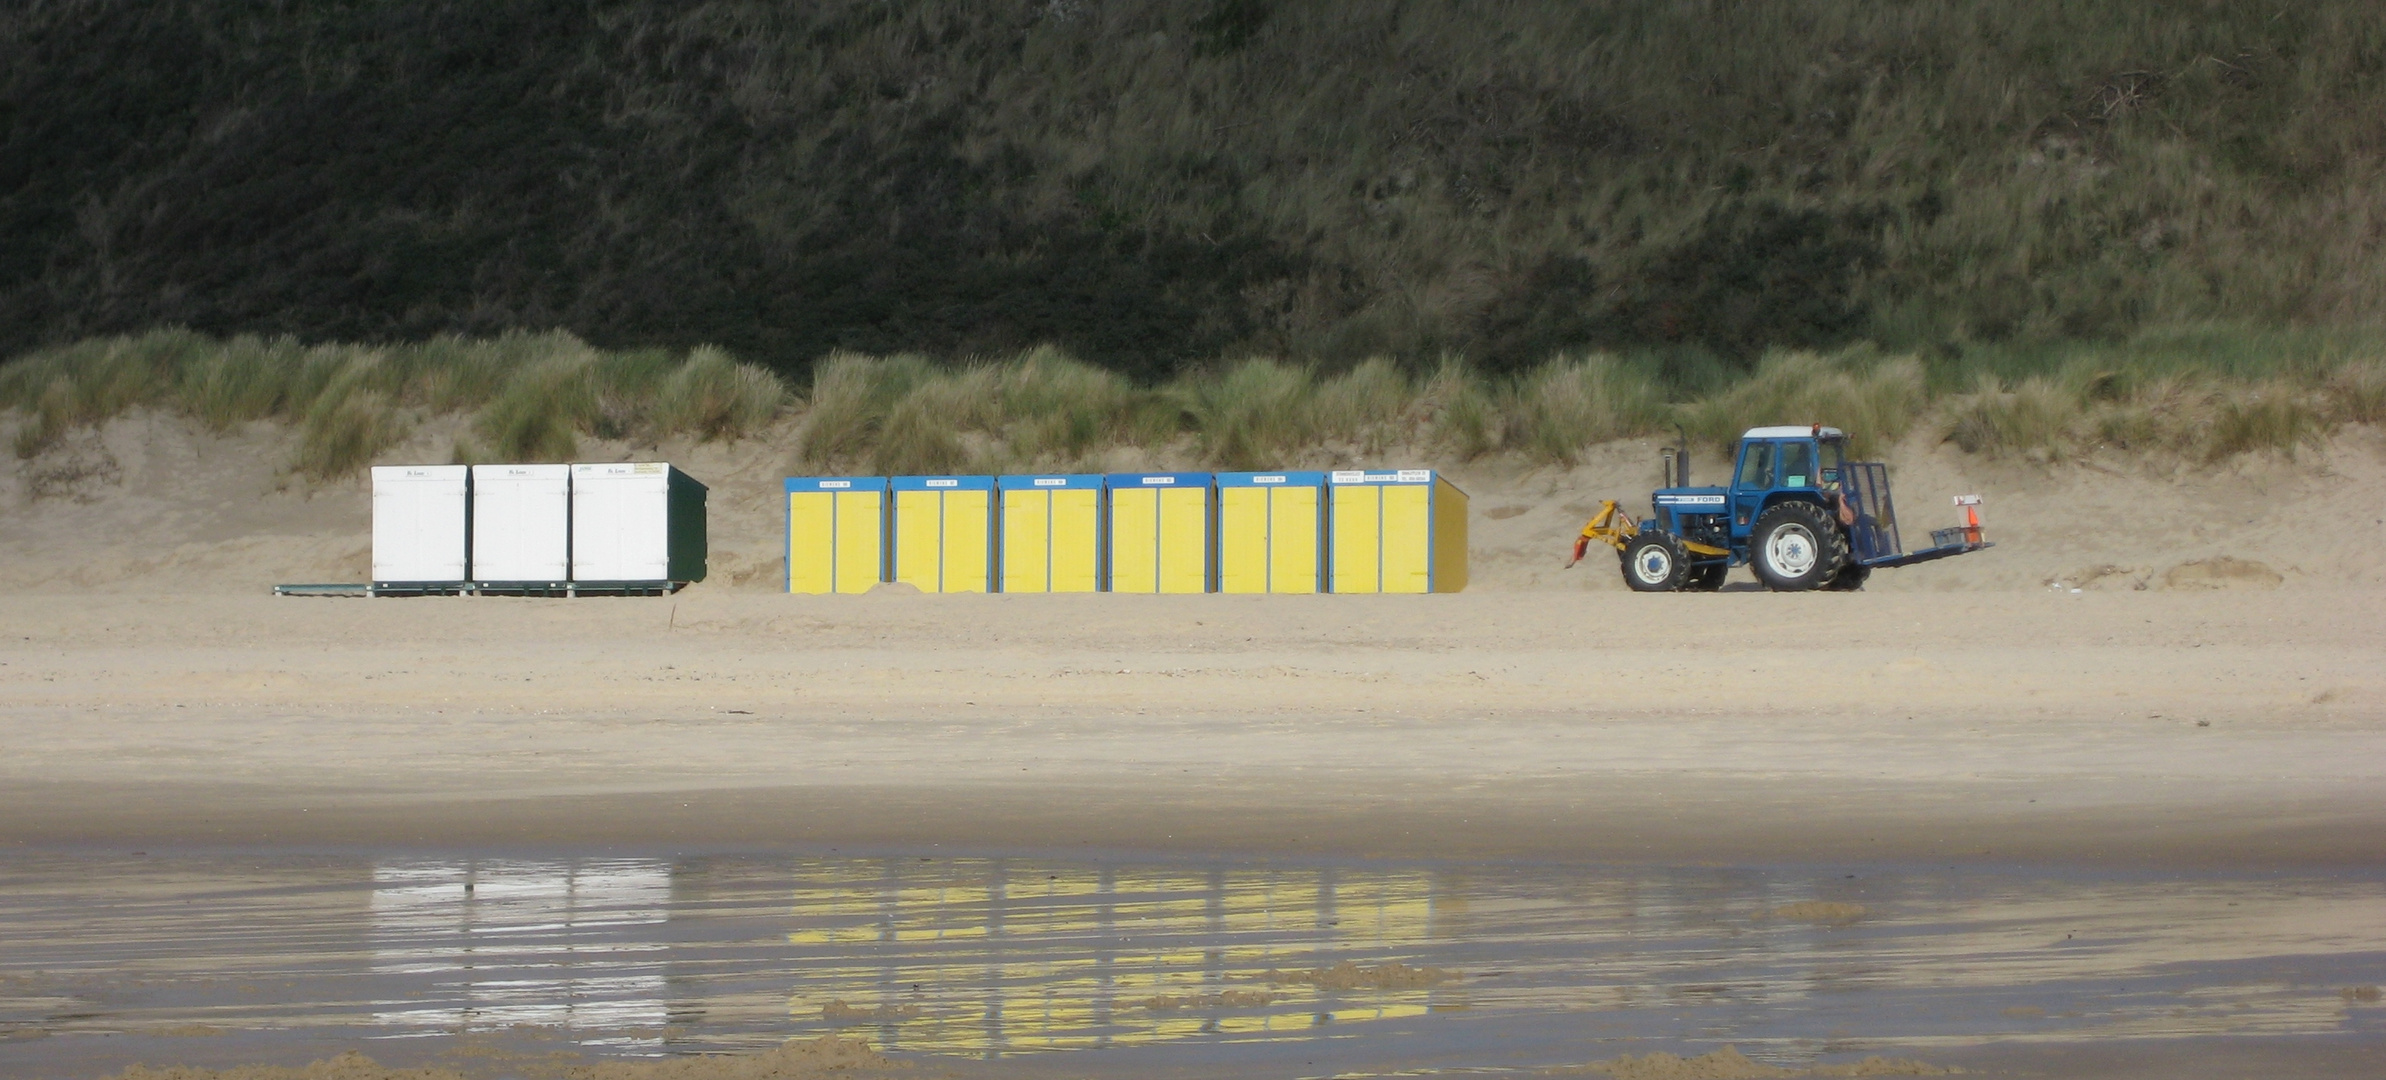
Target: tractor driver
point(1829, 479)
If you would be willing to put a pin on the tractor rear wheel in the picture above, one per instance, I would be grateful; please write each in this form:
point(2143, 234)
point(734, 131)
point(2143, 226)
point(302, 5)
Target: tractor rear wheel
point(1796, 547)
point(1653, 563)
point(1706, 577)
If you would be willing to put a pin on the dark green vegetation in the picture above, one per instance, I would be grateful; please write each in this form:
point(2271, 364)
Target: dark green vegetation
point(1685, 183)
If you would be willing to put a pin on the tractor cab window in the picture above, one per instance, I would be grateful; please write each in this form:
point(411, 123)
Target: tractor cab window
point(1833, 461)
point(1756, 467)
point(1797, 464)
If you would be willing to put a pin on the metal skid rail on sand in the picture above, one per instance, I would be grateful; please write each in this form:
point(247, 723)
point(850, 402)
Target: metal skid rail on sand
point(486, 588)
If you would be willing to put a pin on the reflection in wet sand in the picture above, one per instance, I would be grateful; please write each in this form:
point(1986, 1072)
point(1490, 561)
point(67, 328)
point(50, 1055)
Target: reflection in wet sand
point(510, 944)
point(995, 957)
point(1002, 956)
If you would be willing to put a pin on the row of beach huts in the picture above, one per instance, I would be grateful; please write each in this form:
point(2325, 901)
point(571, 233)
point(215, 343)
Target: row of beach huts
point(640, 527)
point(1401, 531)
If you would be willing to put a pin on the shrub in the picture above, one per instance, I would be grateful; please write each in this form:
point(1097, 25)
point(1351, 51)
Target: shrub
point(2269, 416)
point(2034, 415)
point(2356, 393)
point(345, 427)
point(851, 396)
point(923, 430)
point(1875, 400)
point(712, 396)
point(1049, 410)
point(1254, 414)
point(539, 414)
point(1566, 405)
point(1466, 417)
point(1370, 407)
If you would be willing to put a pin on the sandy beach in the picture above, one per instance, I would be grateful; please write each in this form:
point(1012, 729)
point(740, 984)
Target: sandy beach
point(2149, 667)
point(2081, 695)
point(2163, 727)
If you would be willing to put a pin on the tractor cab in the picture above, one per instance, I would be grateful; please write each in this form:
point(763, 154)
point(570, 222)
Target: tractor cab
point(1778, 463)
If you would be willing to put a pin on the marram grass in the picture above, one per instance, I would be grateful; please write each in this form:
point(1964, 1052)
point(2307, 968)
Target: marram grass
point(532, 395)
point(2197, 397)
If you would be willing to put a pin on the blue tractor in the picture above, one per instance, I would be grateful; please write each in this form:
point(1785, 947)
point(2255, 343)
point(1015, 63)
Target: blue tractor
point(1797, 512)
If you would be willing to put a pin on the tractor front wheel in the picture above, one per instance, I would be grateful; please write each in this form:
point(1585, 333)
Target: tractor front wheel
point(1653, 563)
point(1796, 547)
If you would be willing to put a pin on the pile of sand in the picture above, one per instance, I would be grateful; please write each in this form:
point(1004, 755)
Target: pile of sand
point(838, 1012)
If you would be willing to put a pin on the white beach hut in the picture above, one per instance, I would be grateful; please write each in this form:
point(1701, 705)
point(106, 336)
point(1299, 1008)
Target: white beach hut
point(521, 523)
point(637, 521)
point(421, 523)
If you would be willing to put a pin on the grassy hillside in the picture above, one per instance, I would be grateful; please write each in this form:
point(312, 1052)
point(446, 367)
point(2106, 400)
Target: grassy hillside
point(1145, 183)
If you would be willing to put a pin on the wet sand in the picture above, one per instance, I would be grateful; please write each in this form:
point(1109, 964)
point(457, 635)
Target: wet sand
point(1107, 966)
point(2122, 728)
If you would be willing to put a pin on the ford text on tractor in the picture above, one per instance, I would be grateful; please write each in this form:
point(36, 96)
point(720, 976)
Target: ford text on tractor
point(1797, 512)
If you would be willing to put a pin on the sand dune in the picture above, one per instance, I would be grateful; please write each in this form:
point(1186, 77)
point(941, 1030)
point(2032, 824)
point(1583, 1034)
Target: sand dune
point(149, 503)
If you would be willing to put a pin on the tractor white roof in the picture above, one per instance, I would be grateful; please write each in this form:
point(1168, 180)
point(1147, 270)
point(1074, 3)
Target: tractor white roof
point(1792, 431)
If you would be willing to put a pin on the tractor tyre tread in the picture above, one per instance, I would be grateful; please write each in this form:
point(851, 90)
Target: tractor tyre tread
point(1830, 546)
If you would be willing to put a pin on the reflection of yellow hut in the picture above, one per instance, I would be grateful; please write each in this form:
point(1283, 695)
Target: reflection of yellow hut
point(1159, 532)
point(944, 532)
point(1051, 533)
point(1271, 532)
point(991, 957)
point(1397, 532)
point(836, 534)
